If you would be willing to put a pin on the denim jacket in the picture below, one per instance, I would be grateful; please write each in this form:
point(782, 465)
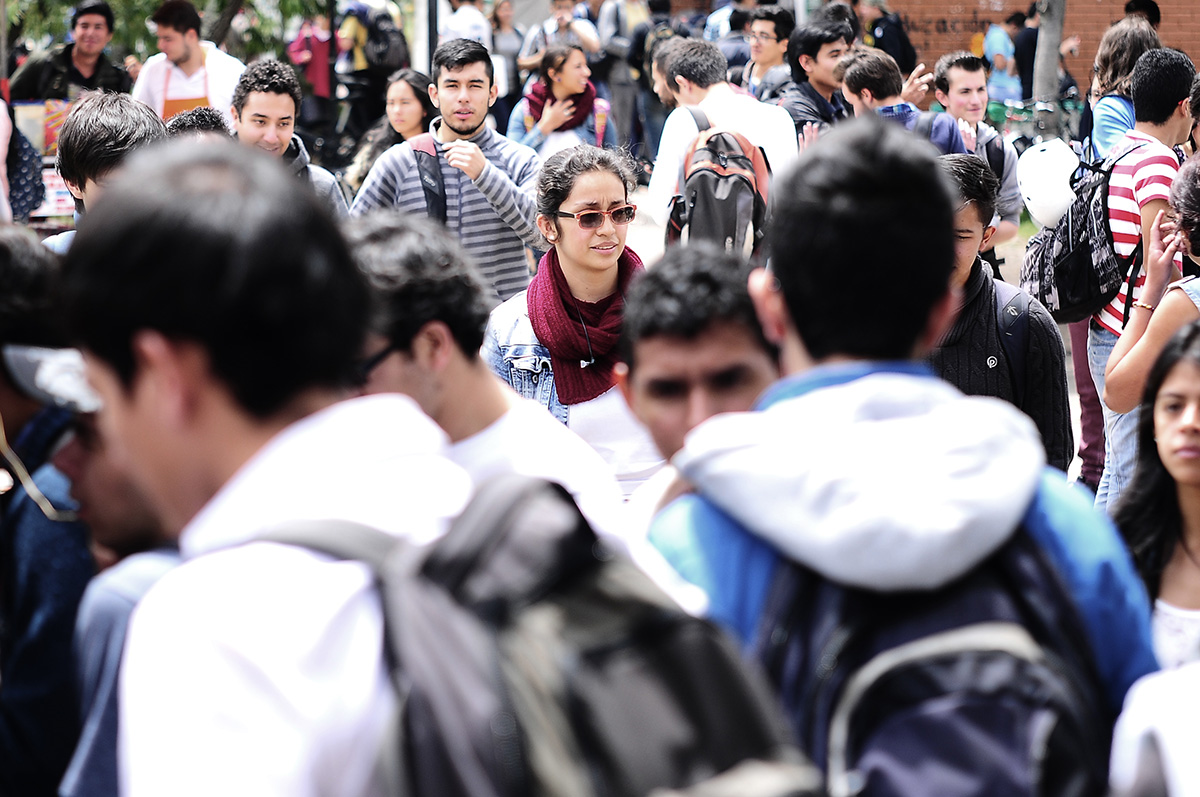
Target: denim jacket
point(513, 352)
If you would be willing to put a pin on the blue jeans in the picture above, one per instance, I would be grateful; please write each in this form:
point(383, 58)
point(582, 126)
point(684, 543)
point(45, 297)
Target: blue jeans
point(1120, 429)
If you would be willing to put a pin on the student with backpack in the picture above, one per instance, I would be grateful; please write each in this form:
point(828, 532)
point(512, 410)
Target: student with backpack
point(562, 110)
point(696, 76)
point(1143, 166)
point(923, 593)
point(1003, 342)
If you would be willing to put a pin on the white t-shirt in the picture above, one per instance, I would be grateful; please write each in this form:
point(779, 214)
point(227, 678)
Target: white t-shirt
point(1176, 634)
point(1164, 704)
point(608, 426)
point(529, 440)
point(766, 126)
point(468, 22)
point(160, 79)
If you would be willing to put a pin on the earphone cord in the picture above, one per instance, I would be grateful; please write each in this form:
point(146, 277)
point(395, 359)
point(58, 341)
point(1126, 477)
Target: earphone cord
point(586, 337)
point(19, 470)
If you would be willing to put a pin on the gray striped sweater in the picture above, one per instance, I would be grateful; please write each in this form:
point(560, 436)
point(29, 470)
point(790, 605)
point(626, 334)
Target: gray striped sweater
point(494, 216)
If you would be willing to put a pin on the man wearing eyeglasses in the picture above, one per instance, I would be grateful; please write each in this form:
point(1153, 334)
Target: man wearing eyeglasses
point(768, 72)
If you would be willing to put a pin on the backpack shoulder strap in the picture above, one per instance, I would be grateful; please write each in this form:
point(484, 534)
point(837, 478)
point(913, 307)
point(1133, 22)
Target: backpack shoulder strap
point(924, 126)
point(994, 150)
point(341, 539)
point(430, 172)
point(700, 118)
point(1012, 321)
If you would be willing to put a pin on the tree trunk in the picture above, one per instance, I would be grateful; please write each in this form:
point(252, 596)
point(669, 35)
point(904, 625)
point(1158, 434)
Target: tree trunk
point(1045, 66)
point(219, 29)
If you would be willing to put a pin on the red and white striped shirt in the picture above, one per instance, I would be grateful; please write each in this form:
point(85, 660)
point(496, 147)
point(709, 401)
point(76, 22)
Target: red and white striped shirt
point(1138, 179)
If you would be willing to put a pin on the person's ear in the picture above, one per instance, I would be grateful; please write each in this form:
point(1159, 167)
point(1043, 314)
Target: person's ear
point(237, 117)
point(170, 376)
point(75, 190)
point(986, 243)
point(548, 228)
point(621, 377)
point(493, 93)
point(806, 62)
point(941, 97)
point(433, 346)
point(768, 304)
point(433, 93)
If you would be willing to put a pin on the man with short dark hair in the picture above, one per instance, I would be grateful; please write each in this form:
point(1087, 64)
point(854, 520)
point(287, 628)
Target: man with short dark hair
point(489, 181)
point(1138, 191)
point(872, 84)
point(696, 76)
point(865, 477)
point(432, 313)
point(187, 72)
point(770, 30)
point(814, 95)
point(199, 122)
point(265, 105)
point(99, 133)
point(960, 85)
point(974, 355)
point(68, 69)
point(224, 381)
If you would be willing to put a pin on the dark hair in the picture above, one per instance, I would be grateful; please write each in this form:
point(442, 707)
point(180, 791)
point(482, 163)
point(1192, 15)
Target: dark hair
point(419, 273)
point(868, 68)
point(838, 12)
point(204, 119)
point(211, 244)
point(784, 22)
point(697, 61)
point(960, 59)
point(458, 54)
point(659, 6)
point(28, 315)
point(1147, 512)
point(561, 169)
point(101, 130)
point(809, 39)
point(1120, 48)
point(1147, 9)
point(1161, 80)
point(554, 58)
point(382, 136)
point(494, 18)
point(663, 51)
point(1033, 10)
point(976, 182)
point(1015, 18)
point(738, 18)
point(1185, 200)
point(692, 288)
point(179, 15)
point(865, 181)
point(267, 76)
point(98, 7)
point(1194, 98)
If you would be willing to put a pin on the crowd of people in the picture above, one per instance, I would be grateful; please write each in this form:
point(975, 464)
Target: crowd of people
point(862, 483)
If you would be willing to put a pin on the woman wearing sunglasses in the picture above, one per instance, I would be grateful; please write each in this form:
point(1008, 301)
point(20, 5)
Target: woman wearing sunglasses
point(556, 343)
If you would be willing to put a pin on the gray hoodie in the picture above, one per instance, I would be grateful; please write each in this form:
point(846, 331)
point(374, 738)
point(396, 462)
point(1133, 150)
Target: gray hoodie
point(324, 183)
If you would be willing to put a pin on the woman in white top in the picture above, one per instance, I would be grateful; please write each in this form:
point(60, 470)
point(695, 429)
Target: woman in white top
point(556, 342)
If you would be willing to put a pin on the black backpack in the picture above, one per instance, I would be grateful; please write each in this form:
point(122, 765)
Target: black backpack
point(530, 661)
point(1073, 268)
point(982, 687)
point(722, 194)
point(429, 172)
point(657, 34)
point(386, 49)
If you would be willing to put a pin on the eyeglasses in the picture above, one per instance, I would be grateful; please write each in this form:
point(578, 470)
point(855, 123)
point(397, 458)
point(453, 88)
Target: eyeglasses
point(591, 219)
point(363, 368)
point(763, 37)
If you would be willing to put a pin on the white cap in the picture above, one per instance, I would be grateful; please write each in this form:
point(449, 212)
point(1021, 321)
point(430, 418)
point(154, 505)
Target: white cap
point(52, 376)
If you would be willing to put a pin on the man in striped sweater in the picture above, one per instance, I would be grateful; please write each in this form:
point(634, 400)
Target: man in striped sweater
point(1138, 189)
point(489, 181)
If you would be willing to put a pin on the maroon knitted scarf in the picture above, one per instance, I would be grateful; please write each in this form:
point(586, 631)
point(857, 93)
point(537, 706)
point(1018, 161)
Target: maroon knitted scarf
point(540, 95)
point(559, 321)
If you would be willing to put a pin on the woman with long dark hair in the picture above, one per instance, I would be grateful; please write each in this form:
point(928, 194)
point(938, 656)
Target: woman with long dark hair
point(1159, 513)
point(409, 110)
point(556, 343)
point(1120, 48)
point(562, 109)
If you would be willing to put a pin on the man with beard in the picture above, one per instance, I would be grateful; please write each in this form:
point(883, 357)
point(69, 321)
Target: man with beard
point(488, 182)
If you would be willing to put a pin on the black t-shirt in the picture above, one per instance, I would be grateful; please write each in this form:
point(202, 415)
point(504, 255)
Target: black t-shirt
point(1025, 46)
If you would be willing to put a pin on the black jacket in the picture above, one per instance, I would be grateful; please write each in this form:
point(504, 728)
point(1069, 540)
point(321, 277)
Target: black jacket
point(804, 104)
point(45, 76)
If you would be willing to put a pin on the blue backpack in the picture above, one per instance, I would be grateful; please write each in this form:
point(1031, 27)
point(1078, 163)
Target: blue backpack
point(982, 687)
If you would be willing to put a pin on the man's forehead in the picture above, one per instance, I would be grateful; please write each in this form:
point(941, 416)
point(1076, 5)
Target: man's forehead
point(264, 100)
point(91, 19)
point(956, 75)
point(722, 344)
point(472, 71)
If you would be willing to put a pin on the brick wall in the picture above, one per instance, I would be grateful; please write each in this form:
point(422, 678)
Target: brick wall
point(936, 28)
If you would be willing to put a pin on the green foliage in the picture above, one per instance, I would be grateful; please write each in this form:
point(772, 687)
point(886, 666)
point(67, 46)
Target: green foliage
point(42, 21)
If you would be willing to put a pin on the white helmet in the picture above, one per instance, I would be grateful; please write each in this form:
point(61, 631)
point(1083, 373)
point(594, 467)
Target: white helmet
point(1044, 176)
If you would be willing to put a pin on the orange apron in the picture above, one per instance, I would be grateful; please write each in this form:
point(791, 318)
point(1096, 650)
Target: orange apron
point(172, 107)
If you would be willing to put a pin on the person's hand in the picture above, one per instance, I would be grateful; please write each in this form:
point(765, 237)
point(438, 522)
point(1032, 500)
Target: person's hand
point(917, 85)
point(556, 115)
point(1070, 46)
point(563, 18)
point(133, 66)
point(808, 135)
point(1165, 242)
point(467, 157)
point(967, 131)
